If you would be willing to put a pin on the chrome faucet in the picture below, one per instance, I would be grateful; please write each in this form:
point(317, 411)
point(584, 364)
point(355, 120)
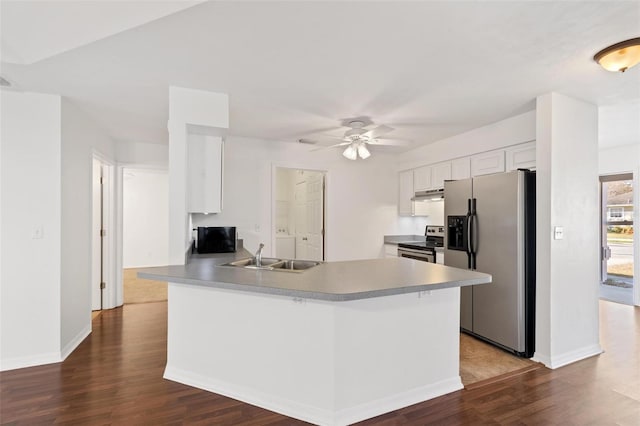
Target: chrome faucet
point(259, 255)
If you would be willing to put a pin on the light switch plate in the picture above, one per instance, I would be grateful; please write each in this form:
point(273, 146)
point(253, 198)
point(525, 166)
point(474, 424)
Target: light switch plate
point(558, 232)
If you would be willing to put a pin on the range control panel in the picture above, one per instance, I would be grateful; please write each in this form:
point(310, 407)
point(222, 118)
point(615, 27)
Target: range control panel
point(434, 231)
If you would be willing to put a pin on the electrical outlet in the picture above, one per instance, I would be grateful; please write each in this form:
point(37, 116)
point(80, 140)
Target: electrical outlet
point(256, 227)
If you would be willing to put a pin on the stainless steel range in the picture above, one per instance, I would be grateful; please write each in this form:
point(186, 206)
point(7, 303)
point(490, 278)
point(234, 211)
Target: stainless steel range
point(424, 251)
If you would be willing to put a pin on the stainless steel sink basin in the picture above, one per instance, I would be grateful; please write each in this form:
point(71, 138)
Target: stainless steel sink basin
point(271, 264)
point(295, 265)
point(251, 263)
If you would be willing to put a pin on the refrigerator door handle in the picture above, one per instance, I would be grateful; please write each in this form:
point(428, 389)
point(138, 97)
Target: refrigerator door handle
point(473, 233)
point(468, 226)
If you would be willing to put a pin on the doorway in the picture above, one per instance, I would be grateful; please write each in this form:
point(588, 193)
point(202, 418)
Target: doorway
point(145, 232)
point(616, 236)
point(299, 216)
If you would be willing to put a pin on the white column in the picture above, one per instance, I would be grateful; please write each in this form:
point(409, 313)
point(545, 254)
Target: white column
point(196, 108)
point(567, 196)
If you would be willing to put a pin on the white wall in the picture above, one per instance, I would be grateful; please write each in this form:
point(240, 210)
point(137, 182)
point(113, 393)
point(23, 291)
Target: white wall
point(30, 200)
point(80, 139)
point(145, 218)
point(567, 195)
point(361, 196)
point(625, 159)
point(148, 154)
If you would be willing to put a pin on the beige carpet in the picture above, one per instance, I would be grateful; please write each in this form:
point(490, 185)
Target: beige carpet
point(480, 361)
point(142, 291)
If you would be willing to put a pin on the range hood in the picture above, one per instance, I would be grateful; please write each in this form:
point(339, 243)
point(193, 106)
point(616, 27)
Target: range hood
point(430, 195)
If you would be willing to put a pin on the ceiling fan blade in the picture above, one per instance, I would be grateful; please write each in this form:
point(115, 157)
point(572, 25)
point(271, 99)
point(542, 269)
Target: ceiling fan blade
point(378, 131)
point(389, 142)
point(328, 147)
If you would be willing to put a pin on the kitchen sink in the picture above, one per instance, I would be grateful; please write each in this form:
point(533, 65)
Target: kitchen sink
point(251, 263)
point(270, 264)
point(295, 265)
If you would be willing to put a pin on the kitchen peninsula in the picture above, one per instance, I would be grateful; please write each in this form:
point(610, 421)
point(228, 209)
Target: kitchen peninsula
point(335, 344)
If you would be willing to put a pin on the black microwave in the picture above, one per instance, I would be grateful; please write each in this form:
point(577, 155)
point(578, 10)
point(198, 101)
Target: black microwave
point(216, 239)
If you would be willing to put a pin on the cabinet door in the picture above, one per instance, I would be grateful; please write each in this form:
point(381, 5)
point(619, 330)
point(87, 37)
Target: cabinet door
point(461, 168)
point(440, 173)
point(390, 250)
point(204, 174)
point(405, 193)
point(422, 178)
point(521, 156)
point(487, 163)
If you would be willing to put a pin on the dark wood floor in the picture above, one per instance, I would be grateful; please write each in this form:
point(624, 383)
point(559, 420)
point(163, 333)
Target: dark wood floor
point(115, 377)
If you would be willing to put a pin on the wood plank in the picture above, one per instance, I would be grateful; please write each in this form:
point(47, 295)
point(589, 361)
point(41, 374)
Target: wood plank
point(115, 377)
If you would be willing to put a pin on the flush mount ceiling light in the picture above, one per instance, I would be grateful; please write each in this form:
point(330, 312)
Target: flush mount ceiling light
point(620, 56)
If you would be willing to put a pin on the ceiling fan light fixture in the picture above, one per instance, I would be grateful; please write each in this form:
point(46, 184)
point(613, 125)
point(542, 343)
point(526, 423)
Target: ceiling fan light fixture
point(620, 56)
point(363, 152)
point(351, 153)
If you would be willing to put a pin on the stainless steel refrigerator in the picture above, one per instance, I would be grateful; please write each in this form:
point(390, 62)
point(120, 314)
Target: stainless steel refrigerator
point(490, 227)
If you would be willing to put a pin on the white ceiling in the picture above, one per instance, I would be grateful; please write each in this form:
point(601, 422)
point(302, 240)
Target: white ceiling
point(296, 69)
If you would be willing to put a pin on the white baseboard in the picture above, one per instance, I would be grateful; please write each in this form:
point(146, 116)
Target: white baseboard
point(70, 347)
point(395, 402)
point(29, 361)
point(308, 413)
point(557, 361)
point(251, 396)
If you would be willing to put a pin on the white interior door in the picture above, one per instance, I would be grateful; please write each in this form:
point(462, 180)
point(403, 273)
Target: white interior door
point(300, 200)
point(315, 216)
point(96, 240)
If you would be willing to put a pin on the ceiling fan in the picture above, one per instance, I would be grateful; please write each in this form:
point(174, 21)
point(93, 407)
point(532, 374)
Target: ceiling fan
point(358, 137)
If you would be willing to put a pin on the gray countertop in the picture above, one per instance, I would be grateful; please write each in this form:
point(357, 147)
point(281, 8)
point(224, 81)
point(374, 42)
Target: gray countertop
point(333, 281)
point(398, 239)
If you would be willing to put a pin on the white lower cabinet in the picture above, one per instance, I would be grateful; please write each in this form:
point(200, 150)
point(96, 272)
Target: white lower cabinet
point(390, 250)
point(440, 257)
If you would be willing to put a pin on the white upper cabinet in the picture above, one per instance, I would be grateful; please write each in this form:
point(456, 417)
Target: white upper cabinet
point(204, 173)
point(461, 168)
point(422, 178)
point(487, 163)
point(431, 177)
point(440, 172)
point(405, 193)
point(521, 156)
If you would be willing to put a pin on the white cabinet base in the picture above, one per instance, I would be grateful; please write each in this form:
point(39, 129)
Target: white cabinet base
point(328, 363)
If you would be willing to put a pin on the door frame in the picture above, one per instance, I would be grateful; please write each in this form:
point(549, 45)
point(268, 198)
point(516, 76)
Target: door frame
point(634, 176)
point(109, 253)
point(296, 166)
point(118, 297)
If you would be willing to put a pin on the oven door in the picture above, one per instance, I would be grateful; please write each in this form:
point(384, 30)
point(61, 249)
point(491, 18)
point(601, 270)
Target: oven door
point(422, 255)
